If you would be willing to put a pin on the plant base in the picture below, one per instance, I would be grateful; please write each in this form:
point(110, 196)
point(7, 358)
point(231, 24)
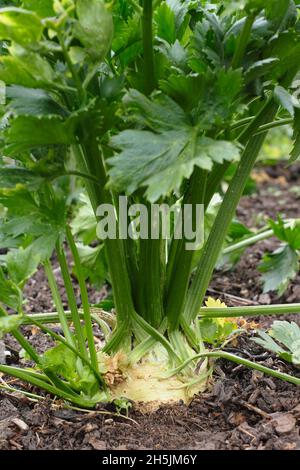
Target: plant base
point(145, 385)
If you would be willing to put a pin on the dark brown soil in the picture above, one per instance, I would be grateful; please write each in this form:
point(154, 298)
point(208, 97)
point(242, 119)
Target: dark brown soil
point(243, 410)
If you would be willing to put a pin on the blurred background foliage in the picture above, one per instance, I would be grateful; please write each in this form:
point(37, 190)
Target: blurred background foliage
point(277, 146)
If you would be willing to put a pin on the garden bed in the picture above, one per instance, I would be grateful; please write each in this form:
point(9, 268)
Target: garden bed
point(243, 410)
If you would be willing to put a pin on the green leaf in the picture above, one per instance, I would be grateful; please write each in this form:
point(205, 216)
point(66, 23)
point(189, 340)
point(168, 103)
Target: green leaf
point(21, 26)
point(209, 330)
point(84, 224)
point(175, 53)
point(286, 100)
point(229, 260)
point(22, 134)
point(276, 10)
point(93, 264)
point(60, 360)
point(286, 47)
point(34, 102)
point(44, 246)
point(160, 161)
point(9, 323)
point(17, 226)
point(212, 98)
point(290, 235)
point(88, 384)
point(282, 13)
point(295, 153)
point(22, 264)
point(122, 404)
point(110, 88)
point(268, 343)
point(165, 21)
point(26, 68)
point(18, 201)
point(260, 68)
point(12, 175)
point(10, 294)
point(204, 44)
point(288, 335)
point(107, 305)
point(127, 40)
point(159, 114)
point(215, 331)
point(255, 5)
point(34, 225)
point(63, 362)
point(238, 231)
point(94, 28)
point(279, 268)
point(185, 90)
point(180, 10)
point(43, 8)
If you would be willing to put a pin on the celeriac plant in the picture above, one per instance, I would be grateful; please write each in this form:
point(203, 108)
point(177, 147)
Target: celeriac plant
point(152, 100)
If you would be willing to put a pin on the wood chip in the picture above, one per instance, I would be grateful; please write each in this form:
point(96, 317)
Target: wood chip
point(284, 423)
point(20, 424)
point(255, 409)
point(97, 444)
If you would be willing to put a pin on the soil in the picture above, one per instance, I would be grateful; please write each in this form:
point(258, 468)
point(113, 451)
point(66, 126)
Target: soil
point(243, 409)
